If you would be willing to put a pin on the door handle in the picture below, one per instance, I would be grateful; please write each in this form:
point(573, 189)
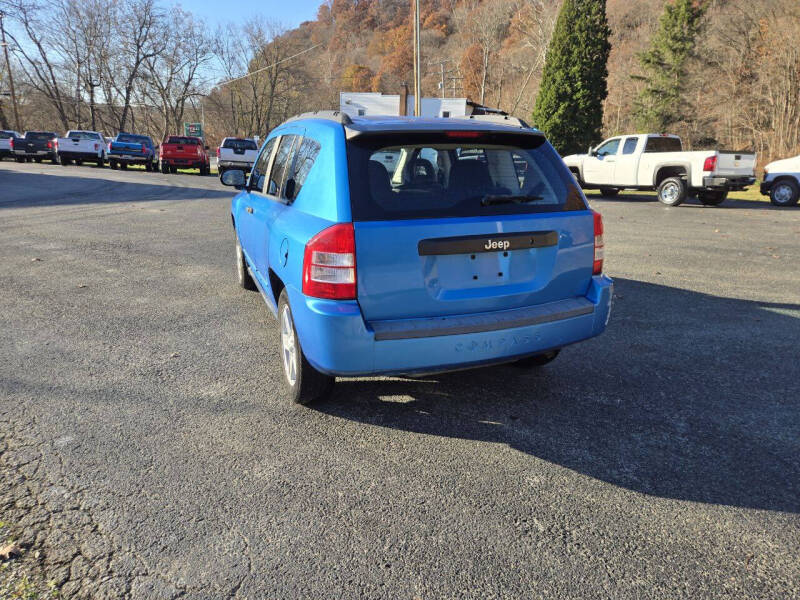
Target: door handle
point(249, 209)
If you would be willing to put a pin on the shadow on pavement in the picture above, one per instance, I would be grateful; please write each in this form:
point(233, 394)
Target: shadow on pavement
point(24, 189)
point(690, 202)
point(686, 396)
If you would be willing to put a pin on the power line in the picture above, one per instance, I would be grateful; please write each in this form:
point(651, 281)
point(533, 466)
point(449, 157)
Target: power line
point(275, 64)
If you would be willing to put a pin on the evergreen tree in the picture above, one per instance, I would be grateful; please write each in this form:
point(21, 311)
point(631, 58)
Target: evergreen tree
point(661, 103)
point(569, 108)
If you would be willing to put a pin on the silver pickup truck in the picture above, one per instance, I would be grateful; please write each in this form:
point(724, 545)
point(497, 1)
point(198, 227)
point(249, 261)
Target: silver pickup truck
point(658, 162)
point(236, 153)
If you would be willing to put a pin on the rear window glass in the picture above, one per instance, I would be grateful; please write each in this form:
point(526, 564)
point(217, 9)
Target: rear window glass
point(663, 144)
point(4, 135)
point(429, 175)
point(240, 144)
point(175, 139)
point(40, 135)
point(82, 135)
point(133, 139)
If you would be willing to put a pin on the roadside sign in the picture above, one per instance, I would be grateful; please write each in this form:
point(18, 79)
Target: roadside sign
point(193, 129)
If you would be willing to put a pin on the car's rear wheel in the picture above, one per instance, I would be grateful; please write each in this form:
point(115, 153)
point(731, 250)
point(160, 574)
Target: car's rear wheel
point(20, 159)
point(38, 160)
point(164, 168)
point(123, 166)
point(537, 360)
point(712, 198)
point(302, 382)
point(784, 192)
point(609, 192)
point(173, 169)
point(672, 191)
point(65, 162)
point(101, 163)
point(242, 273)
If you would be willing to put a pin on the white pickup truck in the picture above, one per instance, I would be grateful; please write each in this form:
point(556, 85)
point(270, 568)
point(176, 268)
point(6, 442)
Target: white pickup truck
point(236, 153)
point(781, 181)
point(79, 146)
point(658, 162)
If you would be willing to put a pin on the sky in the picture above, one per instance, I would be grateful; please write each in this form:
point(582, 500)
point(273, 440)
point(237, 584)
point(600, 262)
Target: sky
point(219, 12)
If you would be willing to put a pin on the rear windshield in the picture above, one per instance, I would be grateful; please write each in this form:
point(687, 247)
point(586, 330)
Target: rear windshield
point(39, 135)
point(663, 144)
point(176, 139)
point(431, 175)
point(82, 135)
point(240, 144)
point(5, 135)
point(133, 139)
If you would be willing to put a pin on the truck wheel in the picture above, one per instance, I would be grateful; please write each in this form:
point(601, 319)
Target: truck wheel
point(38, 160)
point(65, 162)
point(123, 166)
point(173, 169)
point(79, 162)
point(148, 167)
point(672, 191)
point(712, 198)
point(538, 360)
point(302, 382)
point(609, 192)
point(55, 160)
point(242, 274)
point(784, 192)
point(164, 168)
point(20, 159)
point(101, 163)
point(112, 164)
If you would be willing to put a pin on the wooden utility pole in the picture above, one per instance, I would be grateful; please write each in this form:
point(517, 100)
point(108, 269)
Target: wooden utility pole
point(417, 75)
point(10, 76)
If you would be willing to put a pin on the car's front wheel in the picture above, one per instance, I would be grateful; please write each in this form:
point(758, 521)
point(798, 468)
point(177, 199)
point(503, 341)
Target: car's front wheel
point(672, 191)
point(302, 382)
point(538, 360)
point(242, 274)
point(784, 192)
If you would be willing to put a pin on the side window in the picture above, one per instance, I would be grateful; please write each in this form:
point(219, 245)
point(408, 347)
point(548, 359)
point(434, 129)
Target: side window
point(304, 160)
point(630, 145)
point(280, 165)
point(259, 170)
point(609, 148)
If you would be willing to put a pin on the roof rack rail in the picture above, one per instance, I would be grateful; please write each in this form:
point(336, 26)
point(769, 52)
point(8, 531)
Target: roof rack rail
point(499, 119)
point(331, 115)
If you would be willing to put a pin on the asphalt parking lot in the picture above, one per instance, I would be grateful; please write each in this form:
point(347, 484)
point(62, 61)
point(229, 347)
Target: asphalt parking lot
point(145, 451)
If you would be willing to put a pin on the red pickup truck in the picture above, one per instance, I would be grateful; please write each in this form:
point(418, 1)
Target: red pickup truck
point(184, 152)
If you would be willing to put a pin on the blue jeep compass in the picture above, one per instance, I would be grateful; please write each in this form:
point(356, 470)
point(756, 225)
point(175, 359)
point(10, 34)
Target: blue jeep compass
point(409, 245)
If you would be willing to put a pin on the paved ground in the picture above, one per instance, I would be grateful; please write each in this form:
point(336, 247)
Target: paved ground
point(144, 450)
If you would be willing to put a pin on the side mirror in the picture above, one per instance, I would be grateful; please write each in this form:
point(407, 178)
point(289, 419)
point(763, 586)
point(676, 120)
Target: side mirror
point(233, 178)
point(289, 188)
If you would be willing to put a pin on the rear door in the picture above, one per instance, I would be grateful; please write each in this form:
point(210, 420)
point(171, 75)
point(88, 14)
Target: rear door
point(627, 166)
point(470, 225)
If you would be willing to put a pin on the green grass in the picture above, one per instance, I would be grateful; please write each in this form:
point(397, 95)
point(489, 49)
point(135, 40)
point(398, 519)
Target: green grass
point(752, 194)
point(184, 171)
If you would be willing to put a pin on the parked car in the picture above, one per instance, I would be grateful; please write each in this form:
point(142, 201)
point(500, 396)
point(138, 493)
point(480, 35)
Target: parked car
point(462, 263)
point(78, 146)
point(658, 162)
point(132, 149)
point(236, 153)
point(782, 181)
point(36, 145)
point(184, 152)
point(7, 138)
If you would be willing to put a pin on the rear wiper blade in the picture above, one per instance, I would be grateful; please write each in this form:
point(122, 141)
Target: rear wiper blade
point(489, 200)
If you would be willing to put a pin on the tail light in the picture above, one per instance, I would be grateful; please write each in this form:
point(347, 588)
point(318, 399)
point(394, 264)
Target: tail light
point(217, 151)
point(96, 147)
point(11, 143)
point(329, 264)
point(710, 164)
point(109, 146)
point(49, 145)
point(599, 246)
point(144, 149)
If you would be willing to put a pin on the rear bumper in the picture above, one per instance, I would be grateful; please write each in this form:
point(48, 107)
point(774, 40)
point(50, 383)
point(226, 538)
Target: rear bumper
point(90, 156)
point(727, 183)
point(337, 341)
point(35, 153)
point(130, 159)
point(233, 164)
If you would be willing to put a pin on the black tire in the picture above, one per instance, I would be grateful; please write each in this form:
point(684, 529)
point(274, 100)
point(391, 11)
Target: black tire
point(220, 171)
point(309, 384)
point(672, 191)
point(609, 192)
point(784, 192)
point(538, 360)
point(173, 169)
point(714, 198)
point(148, 167)
point(100, 163)
point(65, 162)
point(19, 159)
point(164, 168)
point(55, 160)
point(38, 160)
point(123, 166)
point(242, 275)
point(29, 159)
point(79, 162)
point(203, 171)
point(113, 164)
